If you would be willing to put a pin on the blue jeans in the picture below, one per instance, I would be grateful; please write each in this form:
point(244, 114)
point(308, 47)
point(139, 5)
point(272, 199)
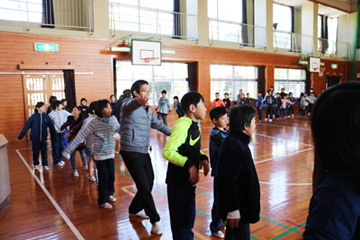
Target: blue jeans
point(73, 158)
point(259, 113)
point(181, 199)
point(58, 147)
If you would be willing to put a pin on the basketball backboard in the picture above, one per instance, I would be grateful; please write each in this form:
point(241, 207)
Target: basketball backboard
point(314, 64)
point(145, 52)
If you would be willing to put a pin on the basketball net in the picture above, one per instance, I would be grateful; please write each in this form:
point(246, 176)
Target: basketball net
point(322, 70)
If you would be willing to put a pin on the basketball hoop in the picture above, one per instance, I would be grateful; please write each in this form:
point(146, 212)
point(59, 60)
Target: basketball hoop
point(150, 59)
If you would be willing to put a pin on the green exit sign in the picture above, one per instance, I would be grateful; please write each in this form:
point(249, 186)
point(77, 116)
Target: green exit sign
point(334, 66)
point(46, 47)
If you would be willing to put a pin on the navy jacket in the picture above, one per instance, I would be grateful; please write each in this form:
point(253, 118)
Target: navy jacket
point(239, 184)
point(334, 211)
point(38, 124)
point(216, 138)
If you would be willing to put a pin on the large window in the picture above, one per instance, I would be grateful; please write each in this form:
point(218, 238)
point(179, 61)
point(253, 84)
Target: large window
point(171, 77)
point(293, 80)
point(282, 19)
point(230, 79)
point(21, 10)
point(225, 18)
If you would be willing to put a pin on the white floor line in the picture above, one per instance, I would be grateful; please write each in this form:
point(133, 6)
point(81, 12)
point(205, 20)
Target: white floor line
point(280, 126)
point(52, 200)
point(281, 139)
point(285, 155)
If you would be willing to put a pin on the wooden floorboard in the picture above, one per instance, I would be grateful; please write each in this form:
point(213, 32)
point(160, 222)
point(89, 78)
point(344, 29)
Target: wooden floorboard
point(283, 155)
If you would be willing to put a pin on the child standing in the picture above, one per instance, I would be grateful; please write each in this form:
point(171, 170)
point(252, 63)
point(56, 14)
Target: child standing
point(291, 107)
point(239, 184)
point(285, 103)
point(177, 106)
point(269, 100)
point(182, 150)
point(277, 105)
point(102, 129)
point(227, 102)
point(85, 111)
point(163, 107)
point(259, 105)
point(219, 116)
point(72, 122)
point(58, 116)
point(217, 101)
point(38, 122)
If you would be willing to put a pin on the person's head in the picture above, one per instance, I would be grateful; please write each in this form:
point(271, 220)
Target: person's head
point(242, 95)
point(240, 91)
point(176, 99)
point(290, 94)
point(219, 117)
point(56, 105)
point(75, 111)
point(40, 107)
point(52, 99)
point(193, 104)
point(312, 94)
point(92, 107)
point(272, 88)
point(242, 119)
point(336, 133)
point(282, 89)
point(126, 93)
point(112, 98)
point(259, 94)
point(285, 96)
point(83, 102)
point(311, 90)
point(226, 95)
point(217, 95)
point(103, 108)
point(248, 95)
point(64, 102)
point(140, 87)
point(163, 93)
point(269, 92)
point(305, 94)
point(277, 95)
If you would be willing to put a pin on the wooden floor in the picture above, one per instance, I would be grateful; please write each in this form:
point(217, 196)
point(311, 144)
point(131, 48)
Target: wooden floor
point(55, 205)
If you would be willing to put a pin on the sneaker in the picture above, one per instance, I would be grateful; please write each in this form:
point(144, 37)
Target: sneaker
point(141, 214)
point(86, 168)
point(92, 179)
point(156, 228)
point(76, 174)
point(46, 168)
point(36, 167)
point(59, 164)
point(106, 205)
point(62, 162)
point(266, 119)
point(112, 199)
point(218, 234)
point(270, 120)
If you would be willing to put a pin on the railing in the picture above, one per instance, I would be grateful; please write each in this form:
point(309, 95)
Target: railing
point(62, 14)
point(157, 22)
point(334, 49)
point(293, 42)
point(244, 34)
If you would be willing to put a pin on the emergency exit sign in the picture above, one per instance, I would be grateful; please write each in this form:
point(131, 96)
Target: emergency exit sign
point(46, 47)
point(334, 66)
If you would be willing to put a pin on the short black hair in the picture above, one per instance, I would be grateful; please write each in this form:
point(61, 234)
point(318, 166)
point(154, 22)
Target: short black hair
point(74, 106)
point(240, 117)
point(92, 106)
point(112, 95)
point(217, 112)
point(336, 133)
point(83, 99)
point(226, 94)
point(39, 105)
point(163, 91)
point(176, 97)
point(137, 85)
point(190, 98)
point(100, 105)
point(55, 104)
point(217, 93)
point(269, 91)
point(52, 99)
point(63, 100)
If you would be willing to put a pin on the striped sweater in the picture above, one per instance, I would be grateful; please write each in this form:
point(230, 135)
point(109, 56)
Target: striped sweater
point(102, 131)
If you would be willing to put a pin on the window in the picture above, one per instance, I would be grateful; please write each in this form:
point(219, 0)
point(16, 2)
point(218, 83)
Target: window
point(231, 78)
point(293, 80)
point(171, 77)
point(226, 16)
point(332, 30)
point(21, 10)
point(282, 15)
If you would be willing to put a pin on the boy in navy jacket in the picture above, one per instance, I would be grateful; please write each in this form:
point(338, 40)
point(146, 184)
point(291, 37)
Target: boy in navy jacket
point(239, 186)
point(38, 122)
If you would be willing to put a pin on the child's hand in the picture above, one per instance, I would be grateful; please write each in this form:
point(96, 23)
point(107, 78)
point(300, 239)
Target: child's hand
point(205, 164)
point(194, 175)
point(67, 135)
point(233, 223)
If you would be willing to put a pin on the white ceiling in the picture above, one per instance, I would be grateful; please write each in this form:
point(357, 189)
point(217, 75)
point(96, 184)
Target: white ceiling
point(323, 10)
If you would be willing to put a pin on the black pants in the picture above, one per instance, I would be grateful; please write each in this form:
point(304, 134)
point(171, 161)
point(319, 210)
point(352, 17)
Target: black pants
point(181, 199)
point(269, 111)
point(216, 222)
point(240, 233)
point(58, 147)
point(36, 147)
point(141, 170)
point(106, 178)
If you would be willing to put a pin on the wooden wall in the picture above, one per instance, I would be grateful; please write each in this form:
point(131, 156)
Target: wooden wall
point(93, 55)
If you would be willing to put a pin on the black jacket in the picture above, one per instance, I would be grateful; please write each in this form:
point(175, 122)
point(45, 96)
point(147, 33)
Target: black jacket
point(239, 184)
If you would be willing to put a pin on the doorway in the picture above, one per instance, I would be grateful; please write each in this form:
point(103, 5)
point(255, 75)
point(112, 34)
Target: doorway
point(332, 80)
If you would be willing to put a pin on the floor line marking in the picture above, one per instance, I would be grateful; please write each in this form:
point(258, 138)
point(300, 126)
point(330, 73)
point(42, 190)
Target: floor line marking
point(285, 155)
point(282, 139)
point(52, 200)
point(288, 184)
point(280, 126)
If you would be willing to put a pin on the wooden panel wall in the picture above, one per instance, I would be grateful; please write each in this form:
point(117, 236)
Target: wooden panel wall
point(93, 55)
